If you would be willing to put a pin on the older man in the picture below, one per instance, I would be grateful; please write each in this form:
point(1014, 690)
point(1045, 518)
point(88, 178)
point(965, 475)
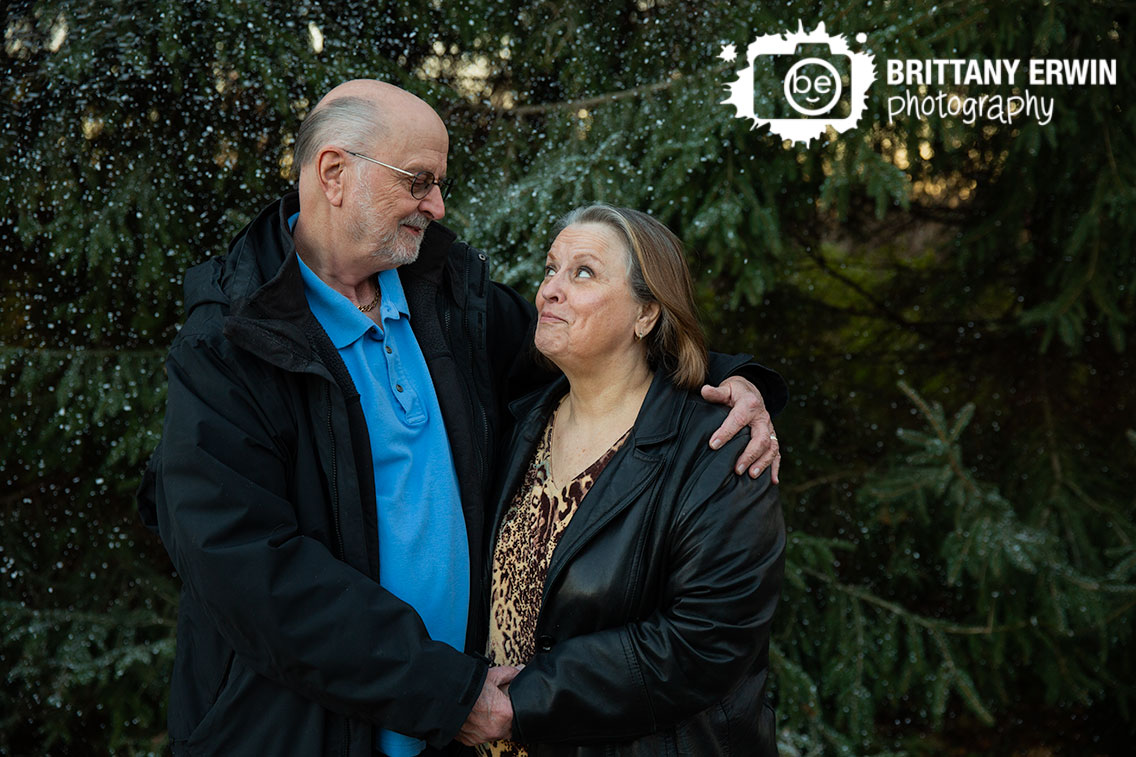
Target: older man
point(335, 398)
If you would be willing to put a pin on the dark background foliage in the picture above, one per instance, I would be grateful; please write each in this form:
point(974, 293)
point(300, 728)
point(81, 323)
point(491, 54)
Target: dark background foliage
point(952, 305)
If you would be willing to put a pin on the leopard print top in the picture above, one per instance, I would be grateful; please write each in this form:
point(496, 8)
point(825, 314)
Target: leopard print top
point(529, 532)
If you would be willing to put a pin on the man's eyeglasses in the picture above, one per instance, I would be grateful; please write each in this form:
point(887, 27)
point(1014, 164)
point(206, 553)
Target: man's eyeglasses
point(422, 181)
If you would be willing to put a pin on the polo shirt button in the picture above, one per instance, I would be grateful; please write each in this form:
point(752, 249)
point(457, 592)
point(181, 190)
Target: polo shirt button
point(398, 387)
point(389, 350)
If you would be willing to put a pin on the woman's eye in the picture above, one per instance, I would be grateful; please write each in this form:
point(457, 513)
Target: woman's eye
point(548, 271)
point(584, 272)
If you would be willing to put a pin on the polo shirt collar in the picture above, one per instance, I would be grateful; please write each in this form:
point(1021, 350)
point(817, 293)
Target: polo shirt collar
point(394, 299)
point(343, 322)
point(340, 318)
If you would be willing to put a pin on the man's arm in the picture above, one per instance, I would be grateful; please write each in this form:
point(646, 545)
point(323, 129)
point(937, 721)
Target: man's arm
point(291, 610)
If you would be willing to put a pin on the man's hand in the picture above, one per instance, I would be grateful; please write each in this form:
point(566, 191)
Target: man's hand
point(747, 408)
point(492, 714)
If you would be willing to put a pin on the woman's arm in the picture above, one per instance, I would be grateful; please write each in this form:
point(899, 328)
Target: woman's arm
point(725, 557)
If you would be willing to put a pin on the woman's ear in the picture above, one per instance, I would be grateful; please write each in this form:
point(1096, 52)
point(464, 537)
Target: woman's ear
point(648, 316)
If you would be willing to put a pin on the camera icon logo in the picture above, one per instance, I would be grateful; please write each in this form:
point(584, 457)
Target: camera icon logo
point(800, 83)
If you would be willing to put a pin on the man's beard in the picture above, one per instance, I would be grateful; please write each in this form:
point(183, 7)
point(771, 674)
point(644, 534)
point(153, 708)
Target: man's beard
point(394, 246)
point(399, 248)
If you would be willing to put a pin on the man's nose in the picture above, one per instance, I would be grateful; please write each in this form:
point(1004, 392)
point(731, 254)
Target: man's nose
point(432, 204)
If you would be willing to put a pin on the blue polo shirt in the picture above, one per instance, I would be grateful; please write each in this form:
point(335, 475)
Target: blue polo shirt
point(423, 548)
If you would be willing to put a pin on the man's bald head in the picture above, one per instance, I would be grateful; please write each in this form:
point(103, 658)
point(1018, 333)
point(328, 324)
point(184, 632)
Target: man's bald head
point(357, 218)
point(357, 114)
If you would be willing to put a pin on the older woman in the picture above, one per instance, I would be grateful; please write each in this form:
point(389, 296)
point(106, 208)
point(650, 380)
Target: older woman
point(634, 575)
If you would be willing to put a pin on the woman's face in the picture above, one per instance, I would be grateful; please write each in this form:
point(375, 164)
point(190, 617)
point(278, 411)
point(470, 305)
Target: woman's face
point(587, 315)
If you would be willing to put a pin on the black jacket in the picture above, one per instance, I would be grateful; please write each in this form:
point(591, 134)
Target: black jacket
point(653, 635)
point(263, 493)
point(262, 490)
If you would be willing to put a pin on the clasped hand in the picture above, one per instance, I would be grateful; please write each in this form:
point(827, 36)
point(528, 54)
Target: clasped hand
point(492, 715)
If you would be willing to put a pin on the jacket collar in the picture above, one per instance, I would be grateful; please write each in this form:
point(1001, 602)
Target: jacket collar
point(633, 468)
point(342, 320)
point(267, 276)
point(260, 280)
point(432, 255)
point(267, 283)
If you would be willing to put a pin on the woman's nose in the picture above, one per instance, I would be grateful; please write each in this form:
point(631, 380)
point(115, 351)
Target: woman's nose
point(550, 288)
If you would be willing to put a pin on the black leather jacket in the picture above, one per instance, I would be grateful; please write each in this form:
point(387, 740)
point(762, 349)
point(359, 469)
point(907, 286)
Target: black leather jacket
point(653, 637)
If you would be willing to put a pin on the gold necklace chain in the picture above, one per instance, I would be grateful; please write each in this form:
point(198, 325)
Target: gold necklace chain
point(369, 308)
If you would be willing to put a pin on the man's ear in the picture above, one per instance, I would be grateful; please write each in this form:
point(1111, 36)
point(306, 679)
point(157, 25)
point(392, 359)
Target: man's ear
point(331, 171)
point(648, 316)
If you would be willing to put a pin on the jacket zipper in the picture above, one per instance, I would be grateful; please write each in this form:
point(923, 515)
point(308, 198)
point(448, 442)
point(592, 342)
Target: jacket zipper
point(334, 478)
point(482, 601)
point(471, 392)
point(345, 743)
point(472, 362)
point(485, 418)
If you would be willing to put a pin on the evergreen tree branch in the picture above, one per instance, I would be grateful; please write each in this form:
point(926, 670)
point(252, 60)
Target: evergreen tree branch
point(589, 102)
point(7, 350)
point(1067, 676)
point(132, 618)
point(931, 624)
point(1050, 430)
point(988, 323)
point(1089, 584)
point(944, 437)
point(1072, 296)
point(1111, 157)
point(840, 475)
point(1091, 503)
point(1119, 612)
point(887, 312)
point(968, 21)
point(522, 111)
point(963, 684)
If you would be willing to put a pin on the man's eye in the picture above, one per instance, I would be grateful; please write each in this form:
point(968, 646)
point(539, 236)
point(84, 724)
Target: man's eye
point(548, 271)
point(584, 272)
